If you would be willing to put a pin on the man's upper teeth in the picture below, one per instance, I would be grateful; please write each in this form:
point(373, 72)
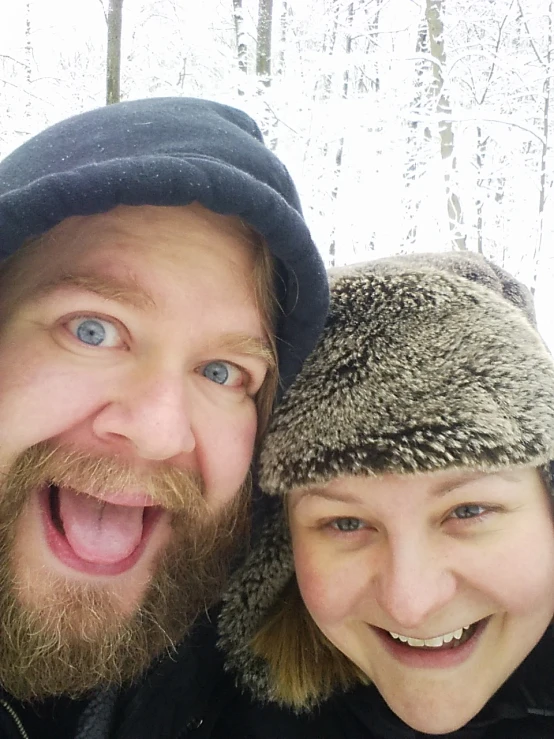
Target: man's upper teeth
point(435, 641)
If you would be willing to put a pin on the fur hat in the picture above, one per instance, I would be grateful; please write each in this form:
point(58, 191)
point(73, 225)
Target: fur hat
point(427, 362)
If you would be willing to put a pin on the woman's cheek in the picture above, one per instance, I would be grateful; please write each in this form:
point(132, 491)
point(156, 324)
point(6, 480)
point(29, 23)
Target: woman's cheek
point(325, 586)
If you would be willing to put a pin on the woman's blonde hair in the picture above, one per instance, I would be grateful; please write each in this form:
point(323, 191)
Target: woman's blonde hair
point(305, 668)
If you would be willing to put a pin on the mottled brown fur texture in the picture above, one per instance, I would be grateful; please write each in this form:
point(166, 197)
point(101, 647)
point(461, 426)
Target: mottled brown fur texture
point(426, 363)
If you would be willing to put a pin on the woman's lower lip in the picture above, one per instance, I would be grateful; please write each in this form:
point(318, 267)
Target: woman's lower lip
point(61, 549)
point(430, 658)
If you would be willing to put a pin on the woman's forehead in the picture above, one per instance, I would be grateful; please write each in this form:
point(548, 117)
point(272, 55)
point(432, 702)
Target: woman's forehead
point(356, 488)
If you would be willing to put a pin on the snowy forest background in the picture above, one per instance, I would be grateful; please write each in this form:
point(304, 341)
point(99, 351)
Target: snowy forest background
point(408, 125)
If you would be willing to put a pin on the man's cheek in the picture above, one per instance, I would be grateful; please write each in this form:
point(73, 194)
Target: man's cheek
point(43, 403)
point(225, 451)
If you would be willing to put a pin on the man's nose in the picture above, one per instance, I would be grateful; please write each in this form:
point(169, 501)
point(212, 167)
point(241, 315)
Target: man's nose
point(414, 582)
point(150, 415)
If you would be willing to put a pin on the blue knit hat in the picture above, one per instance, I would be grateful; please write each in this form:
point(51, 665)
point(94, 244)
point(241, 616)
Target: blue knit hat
point(172, 151)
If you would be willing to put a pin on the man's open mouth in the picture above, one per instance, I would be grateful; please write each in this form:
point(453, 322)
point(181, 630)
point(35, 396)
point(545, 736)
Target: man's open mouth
point(92, 534)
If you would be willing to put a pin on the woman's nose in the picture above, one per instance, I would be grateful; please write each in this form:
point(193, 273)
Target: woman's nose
point(414, 582)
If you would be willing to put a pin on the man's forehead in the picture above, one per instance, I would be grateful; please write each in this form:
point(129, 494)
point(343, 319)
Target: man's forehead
point(193, 218)
point(125, 229)
point(124, 220)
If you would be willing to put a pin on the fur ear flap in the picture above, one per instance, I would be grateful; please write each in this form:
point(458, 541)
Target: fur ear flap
point(250, 597)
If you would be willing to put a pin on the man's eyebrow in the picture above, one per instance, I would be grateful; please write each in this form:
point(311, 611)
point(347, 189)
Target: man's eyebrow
point(248, 345)
point(128, 291)
point(109, 287)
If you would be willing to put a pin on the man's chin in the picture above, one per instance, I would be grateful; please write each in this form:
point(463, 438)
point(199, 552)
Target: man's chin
point(75, 643)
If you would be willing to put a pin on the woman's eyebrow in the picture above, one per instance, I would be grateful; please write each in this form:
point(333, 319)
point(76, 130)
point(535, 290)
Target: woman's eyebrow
point(323, 493)
point(469, 478)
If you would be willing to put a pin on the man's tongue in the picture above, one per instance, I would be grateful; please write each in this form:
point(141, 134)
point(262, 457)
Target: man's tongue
point(97, 531)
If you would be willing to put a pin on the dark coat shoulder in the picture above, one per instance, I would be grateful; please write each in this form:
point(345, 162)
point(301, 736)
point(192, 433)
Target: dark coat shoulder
point(522, 709)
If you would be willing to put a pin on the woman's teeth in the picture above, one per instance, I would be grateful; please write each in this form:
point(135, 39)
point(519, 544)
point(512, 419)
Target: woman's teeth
point(436, 641)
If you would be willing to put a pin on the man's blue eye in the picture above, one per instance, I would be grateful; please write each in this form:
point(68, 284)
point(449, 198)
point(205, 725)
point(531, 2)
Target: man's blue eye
point(216, 372)
point(91, 331)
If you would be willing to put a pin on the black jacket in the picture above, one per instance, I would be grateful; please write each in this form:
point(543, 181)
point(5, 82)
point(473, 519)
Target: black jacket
point(522, 709)
point(175, 700)
point(190, 696)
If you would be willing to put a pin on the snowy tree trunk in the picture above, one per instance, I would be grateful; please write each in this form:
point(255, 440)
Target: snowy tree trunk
point(444, 111)
point(479, 160)
point(413, 139)
point(263, 52)
point(485, 184)
point(328, 48)
point(113, 62)
point(544, 184)
point(240, 36)
point(284, 22)
point(28, 58)
point(340, 146)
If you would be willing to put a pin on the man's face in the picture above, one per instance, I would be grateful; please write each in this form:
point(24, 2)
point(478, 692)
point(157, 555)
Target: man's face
point(131, 350)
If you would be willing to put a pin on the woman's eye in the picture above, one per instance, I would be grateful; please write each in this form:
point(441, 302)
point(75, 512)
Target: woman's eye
point(347, 524)
point(468, 510)
point(95, 332)
point(223, 373)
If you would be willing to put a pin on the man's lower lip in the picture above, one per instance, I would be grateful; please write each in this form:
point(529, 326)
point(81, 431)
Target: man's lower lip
point(61, 549)
point(430, 658)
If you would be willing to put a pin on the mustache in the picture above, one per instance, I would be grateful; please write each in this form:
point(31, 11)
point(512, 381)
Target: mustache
point(171, 488)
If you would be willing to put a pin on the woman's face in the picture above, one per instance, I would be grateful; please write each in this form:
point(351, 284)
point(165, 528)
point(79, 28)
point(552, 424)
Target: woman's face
point(436, 586)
